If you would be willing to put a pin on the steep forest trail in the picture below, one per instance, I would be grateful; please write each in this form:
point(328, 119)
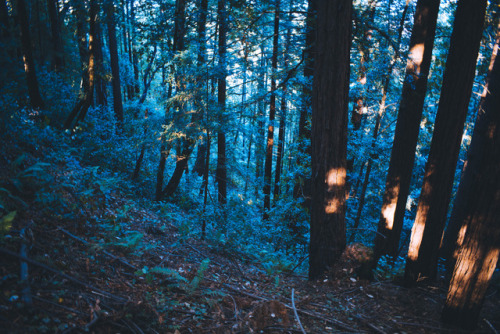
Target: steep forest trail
point(99, 261)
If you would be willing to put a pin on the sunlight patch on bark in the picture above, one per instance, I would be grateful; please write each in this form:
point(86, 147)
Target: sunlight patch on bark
point(417, 232)
point(335, 177)
point(332, 206)
point(415, 58)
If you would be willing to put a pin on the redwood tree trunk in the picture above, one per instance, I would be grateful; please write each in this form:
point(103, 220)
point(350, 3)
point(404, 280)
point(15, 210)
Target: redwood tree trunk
point(268, 164)
point(407, 126)
point(329, 134)
point(115, 68)
point(451, 239)
point(440, 168)
point(29, 63)
point(479, 252)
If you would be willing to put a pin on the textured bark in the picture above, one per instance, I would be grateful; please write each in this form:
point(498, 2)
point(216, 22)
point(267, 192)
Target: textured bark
point(381, 111)
point(81, 36)
point(329, 134)
point(407, 126)
point(36, 100)
point(55, 28)
point(115, 67)
point(85, 99)
point(100, 82)
point(186, 145)
point(440, 168)
point(268, 163)
point(452, 239)
point(302, 183)
point(283, 113)
point(479, 252)
point(221, 170)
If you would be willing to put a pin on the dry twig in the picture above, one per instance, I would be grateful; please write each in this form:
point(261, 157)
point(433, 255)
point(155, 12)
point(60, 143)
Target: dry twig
point(295, 312)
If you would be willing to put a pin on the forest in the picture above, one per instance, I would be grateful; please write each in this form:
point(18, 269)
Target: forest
point(249, 166)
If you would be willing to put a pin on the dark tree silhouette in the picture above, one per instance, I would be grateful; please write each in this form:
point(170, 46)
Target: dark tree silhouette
point(480, 248)
point(329, 134)
point(29, 63)
point(440, 168)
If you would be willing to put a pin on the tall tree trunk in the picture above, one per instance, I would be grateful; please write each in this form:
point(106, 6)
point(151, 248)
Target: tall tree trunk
point(407, 127)
point(186, 145)
point(221, 170)
point(135, 59)
point(283, 112)
point(329, 134)
point(165, 147)
point(453, 236)
point(100, 83)
point(115, 68)
point(29, 63)
point(79, 112)
point(55, 27)
point(268, 164)
point(381, 111)
point(302, 182)
point(81, 36)
point(479, 252)
point(261, 114)
point(440, 168)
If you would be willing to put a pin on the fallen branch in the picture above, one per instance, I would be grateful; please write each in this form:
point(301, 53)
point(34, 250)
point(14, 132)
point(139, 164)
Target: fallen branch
point(491, 326)
point(24, 276)
point(295, 312)
point(85, 242)
point(64, 275)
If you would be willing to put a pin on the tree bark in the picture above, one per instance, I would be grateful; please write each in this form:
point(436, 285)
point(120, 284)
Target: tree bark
point(55, 27)
point(445, 145)
point(115, 67)
point(453, 236)
point(479, 252)
point(329, 134)
point(407, 127)
point(268, 163)
point(79, 112)
point(36, 100)
point(302, 182)
point(221, 170)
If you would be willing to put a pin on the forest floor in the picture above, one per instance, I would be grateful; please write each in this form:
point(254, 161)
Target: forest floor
point(101, 262)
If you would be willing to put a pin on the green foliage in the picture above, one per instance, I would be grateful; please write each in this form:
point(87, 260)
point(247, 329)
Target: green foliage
point(199, 275)
point(390, 269)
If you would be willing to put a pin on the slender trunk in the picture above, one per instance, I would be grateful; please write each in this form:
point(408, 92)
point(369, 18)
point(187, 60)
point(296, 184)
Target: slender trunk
point(205, 185)
point(268, 164)
point(221, 171)
point(29, 63)
point(456, 89)
point(382, 106)
point(55, 27)
point(302, 182)
point(115, 68)
point(81, 35)
point(100, 83)
point(85, 100)
point(407, 127)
